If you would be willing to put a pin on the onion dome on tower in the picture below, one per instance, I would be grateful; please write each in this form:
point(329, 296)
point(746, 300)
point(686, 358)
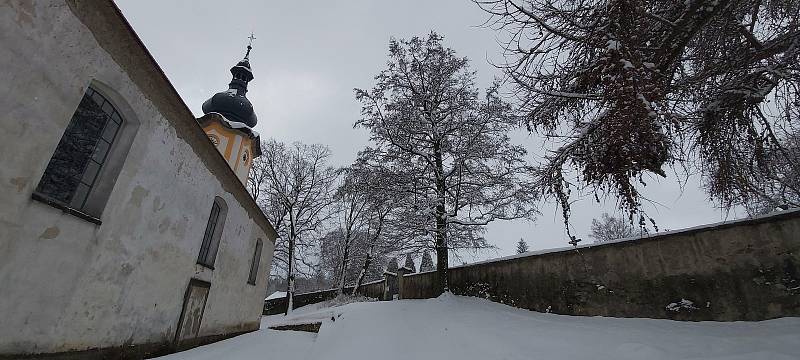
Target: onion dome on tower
point(229, 120)
point(233, 104)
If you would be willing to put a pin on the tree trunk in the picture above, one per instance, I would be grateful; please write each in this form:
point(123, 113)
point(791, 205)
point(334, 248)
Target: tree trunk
point(363, 273)
point(345, 260)
point(368, 260)
point(441, 223)
point(441, 253)
point(290, 282)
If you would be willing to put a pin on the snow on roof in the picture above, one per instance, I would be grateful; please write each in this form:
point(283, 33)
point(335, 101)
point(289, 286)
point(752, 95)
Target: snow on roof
point(237, 125)
point(276, 295)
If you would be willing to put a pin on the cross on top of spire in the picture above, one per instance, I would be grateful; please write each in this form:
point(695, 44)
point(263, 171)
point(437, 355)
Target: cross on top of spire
point(249, 45)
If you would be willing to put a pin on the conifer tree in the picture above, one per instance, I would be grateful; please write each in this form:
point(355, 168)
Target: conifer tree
point(427, 262)
point(392, 265)
point(410, 264)
point(522, 246)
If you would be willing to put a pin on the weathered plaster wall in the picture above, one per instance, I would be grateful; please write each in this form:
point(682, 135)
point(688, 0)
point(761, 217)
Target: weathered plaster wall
point(68, 284)
point(745, 270)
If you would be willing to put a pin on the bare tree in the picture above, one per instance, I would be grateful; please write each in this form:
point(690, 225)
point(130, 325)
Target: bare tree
point(352, 201)
point(296, 197)
point(778, 185)
point(625, 89)
point(446, 145)
point(258, 179)
point(376, 247)
point(333, 252)
point(362, 207)
point(371, 183)
point(609, 228)
point(366, 258)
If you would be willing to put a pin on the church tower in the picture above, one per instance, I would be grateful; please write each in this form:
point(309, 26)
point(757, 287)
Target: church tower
point(229, 120)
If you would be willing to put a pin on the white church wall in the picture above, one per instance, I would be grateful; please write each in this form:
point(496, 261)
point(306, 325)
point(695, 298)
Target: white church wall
point(69, 284)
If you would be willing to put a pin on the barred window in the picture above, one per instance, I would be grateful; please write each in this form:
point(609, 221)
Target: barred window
point(210, 245)
point(75, 166)
point(256, 260)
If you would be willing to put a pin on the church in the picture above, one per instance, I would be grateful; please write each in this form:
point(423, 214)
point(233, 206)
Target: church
point(126, 227)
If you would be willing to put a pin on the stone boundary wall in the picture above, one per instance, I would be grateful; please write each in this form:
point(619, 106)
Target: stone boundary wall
point(738, 270)
point(374, 289)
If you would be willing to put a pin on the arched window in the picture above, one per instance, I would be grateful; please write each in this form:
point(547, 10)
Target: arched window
point(216, 221)
point(74, 169)
point(254, 264)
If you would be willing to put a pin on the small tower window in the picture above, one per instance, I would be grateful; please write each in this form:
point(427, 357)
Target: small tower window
point(214, 139)
point(75, 166)
point(254, 264)
point(210, 245)
point(245, 157)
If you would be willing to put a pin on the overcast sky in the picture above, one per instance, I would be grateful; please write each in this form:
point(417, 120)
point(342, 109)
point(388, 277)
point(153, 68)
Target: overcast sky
point(309, 55)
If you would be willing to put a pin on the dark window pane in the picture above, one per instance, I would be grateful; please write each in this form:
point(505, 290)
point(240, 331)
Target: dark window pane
point(211, 237)
point(110, 131)
point(254, 265)
point(107, 108)
point(80, 196)
point(71, 162)
point(98, 99)
point(205, 257)
point(100, 151)
point(212, 250)
point(91, 173)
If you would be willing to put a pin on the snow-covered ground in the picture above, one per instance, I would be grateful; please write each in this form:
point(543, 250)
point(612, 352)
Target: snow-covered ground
point(463, 328)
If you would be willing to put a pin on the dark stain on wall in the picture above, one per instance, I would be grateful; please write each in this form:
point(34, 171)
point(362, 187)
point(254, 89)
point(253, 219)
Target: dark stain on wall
point(50, 233)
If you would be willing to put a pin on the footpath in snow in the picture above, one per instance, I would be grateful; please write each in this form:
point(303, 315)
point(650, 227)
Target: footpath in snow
point(464, 328)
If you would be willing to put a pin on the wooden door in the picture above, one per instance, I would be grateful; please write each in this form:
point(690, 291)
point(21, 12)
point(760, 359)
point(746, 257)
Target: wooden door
point(194, 303)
